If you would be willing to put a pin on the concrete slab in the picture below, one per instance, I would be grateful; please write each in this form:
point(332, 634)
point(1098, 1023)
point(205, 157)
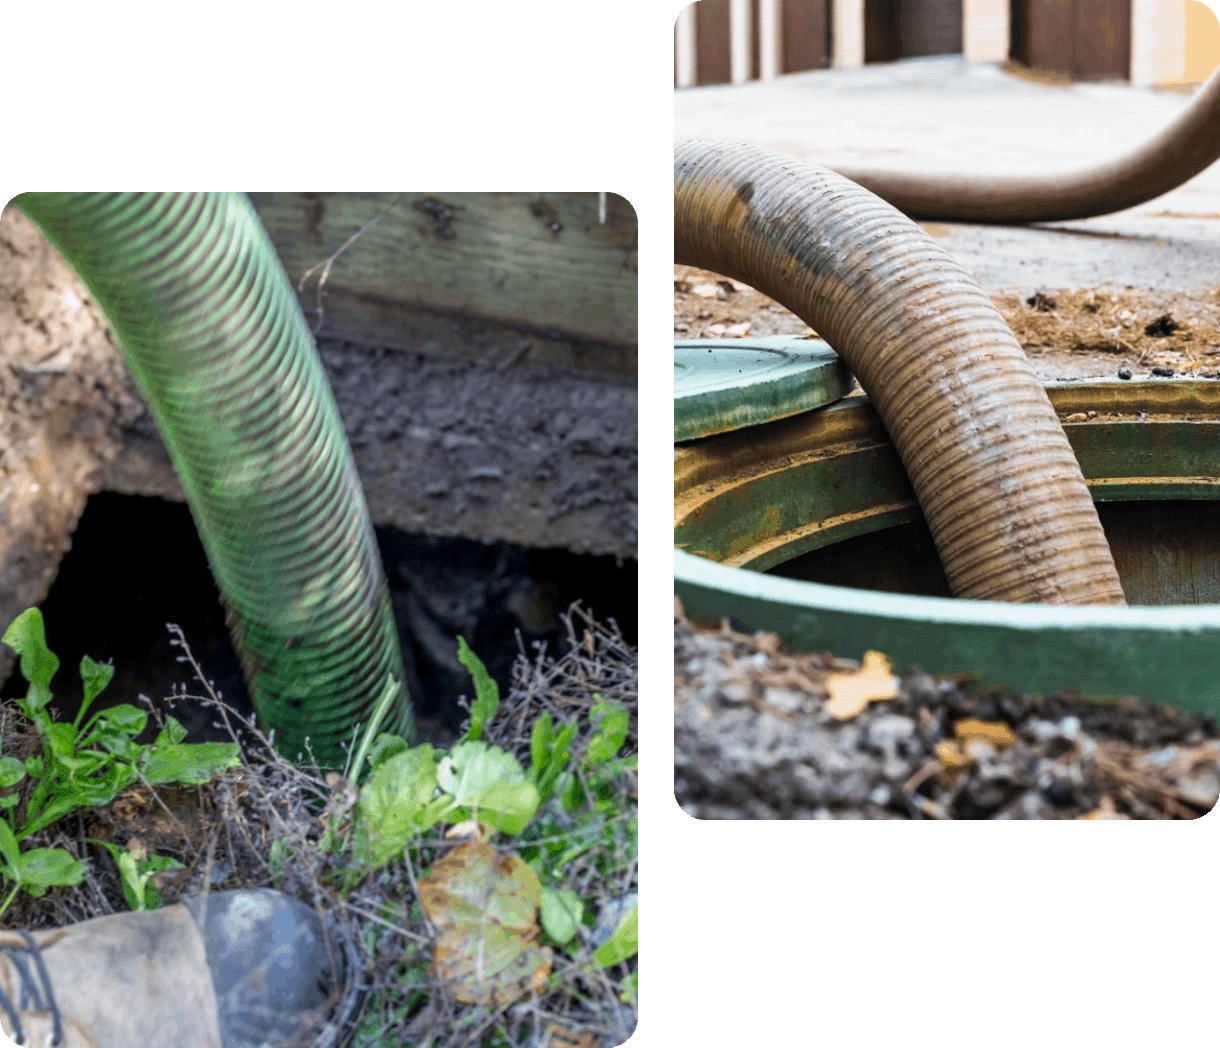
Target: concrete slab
point(947, 114)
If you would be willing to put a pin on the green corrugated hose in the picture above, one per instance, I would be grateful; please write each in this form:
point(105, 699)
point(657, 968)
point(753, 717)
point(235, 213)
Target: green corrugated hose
point(213, 334)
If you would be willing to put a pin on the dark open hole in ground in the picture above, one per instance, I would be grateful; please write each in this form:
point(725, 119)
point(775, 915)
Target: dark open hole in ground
point(1166, 552)
point(136, 563)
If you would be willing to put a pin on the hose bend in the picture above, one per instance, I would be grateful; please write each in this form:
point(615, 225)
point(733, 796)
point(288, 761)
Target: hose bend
point(1002, 492)
point(214, 337)
point(1186, 147)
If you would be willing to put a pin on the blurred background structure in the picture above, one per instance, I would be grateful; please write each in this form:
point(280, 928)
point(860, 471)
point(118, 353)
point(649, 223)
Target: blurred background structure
point(1166, 43)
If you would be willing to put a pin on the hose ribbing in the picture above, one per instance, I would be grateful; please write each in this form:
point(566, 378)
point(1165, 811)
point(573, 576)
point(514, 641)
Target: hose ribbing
point(1002, 492)
point(214, 337)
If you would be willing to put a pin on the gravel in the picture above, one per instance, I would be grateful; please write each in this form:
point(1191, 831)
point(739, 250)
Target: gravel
point(753, 740)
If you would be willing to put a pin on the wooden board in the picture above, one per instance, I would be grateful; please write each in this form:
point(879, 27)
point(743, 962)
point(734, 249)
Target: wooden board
point(509, 277)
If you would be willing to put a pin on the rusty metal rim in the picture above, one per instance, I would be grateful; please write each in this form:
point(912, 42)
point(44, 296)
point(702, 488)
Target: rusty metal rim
point(1166, 653)
point(722, 471)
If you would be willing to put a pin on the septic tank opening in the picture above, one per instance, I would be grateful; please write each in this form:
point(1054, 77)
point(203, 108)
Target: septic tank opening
point(1166, 552)
point(136, 563)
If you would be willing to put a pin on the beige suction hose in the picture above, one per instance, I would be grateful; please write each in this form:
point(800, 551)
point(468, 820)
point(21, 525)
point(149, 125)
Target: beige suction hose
point(1186, 147)
point(1002, 492)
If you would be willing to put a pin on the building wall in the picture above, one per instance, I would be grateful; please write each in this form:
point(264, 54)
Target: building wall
point(1172, 41)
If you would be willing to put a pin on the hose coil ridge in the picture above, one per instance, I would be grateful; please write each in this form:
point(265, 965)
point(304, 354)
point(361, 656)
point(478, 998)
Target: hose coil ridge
point(214, 336)
point(1003, 494)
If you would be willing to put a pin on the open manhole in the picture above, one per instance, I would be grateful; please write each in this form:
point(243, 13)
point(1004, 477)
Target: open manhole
point(817, 507)
point(136, 563)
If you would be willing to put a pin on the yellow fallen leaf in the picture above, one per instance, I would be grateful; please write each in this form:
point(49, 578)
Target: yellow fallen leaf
point(484, 905)
point(950, 754)
point(1106, 809)
point(997, 733)
point(850, 693)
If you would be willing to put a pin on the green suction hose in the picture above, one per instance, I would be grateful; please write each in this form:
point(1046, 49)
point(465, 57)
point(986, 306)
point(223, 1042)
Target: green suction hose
point(211, 330)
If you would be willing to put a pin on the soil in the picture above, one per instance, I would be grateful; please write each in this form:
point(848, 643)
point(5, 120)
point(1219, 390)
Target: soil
point(752, 739)
point(755, 738)
point(1089, 333)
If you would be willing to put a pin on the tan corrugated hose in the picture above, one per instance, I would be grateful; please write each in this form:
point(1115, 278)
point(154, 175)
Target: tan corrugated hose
point(1187, 146)
point(1002, 492)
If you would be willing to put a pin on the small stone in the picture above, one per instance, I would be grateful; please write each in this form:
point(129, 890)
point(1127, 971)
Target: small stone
point(782, 699)
point(1077, 416)
point(1124, 373)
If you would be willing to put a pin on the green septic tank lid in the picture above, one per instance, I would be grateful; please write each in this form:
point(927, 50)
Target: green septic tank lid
point(724, 384)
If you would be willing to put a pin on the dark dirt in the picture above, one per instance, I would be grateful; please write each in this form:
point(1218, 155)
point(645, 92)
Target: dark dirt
point(496, 451)
point(754, 739)
point(1092, 333)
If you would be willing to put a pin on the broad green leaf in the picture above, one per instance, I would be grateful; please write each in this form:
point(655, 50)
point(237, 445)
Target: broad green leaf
point(9, 847)
point(188, 763)
point(562, 912)
point(384, 747)
point(623, 944)
point(10, 800)
point(12, 771)
point(115, 729)
point(27, 636)
point(489, 782)
point(82, 765)
point(45, 867)
point(541, 737)
point(391, 801)
point(96, 675)
point(487, 692)
point(61, 736)
point(80, 793)
point(612, 730)
point(33, 766)
point(172, 732)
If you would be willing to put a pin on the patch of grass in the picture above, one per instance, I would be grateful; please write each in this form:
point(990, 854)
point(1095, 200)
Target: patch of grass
point(544, 780)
